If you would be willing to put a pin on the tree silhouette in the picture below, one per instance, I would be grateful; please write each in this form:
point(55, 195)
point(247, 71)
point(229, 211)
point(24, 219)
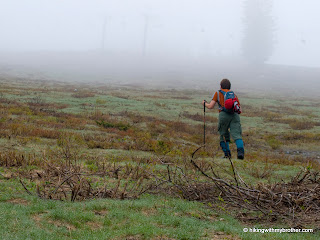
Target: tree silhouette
point(258, 41)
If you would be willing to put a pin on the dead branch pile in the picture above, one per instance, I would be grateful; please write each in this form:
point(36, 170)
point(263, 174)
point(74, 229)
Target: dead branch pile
point(72, 183)
point(297, 201)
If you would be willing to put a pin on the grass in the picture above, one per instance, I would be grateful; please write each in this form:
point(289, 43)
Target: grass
point(138, 126)
point(150, 217)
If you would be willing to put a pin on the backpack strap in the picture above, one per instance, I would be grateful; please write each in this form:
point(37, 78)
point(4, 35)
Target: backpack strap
point(223, 92)
point(220, 91)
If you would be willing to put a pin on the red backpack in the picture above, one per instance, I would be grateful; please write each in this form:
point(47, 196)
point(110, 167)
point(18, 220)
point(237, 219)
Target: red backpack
point(231, 104)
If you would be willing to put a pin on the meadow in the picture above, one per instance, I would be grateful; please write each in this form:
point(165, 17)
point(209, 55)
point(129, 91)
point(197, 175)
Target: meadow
point(98, 161)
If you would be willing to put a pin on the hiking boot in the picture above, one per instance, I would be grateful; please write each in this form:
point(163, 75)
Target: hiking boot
point(227, 154)
point(240, 152)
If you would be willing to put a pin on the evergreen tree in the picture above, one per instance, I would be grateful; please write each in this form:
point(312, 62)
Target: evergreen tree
point(258, 41)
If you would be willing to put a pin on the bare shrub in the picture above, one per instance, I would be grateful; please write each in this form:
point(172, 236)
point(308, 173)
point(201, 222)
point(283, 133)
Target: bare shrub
point(73, 183)
point(301, 125)
point(83, 95)
point(120, 95)
point(301, 137)
point(121, 126)
point(18, 159)
point(37, 100)
point(21, 129)
point(262, 172)
point(69, 145)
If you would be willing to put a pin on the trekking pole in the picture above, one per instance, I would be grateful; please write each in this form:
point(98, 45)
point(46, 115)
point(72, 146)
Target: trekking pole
point(204, 133)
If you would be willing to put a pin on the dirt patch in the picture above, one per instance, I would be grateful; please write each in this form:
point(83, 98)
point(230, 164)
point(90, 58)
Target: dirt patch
point(7, 176)
point(149, 212)
point(58, 223)
point(94, 225)
point(19, 201)
point(37, 218)
point(103, 212)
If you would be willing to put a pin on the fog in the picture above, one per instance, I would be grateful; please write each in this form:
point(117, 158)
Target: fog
point(173, 42)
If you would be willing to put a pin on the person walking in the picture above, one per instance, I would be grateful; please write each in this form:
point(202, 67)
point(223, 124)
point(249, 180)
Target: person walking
point(229, 118)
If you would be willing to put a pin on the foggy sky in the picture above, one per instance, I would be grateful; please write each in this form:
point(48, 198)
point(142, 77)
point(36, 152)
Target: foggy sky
point(188, 28)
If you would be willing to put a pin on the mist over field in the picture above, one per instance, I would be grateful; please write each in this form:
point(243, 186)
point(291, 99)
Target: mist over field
point(257, 44)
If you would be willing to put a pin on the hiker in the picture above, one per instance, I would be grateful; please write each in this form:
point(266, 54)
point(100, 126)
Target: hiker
point(229, 111)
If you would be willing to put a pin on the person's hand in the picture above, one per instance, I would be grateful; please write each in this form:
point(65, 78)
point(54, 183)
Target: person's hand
point(203, 102)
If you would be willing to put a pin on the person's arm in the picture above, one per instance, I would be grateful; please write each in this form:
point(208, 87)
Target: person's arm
point(209, 105)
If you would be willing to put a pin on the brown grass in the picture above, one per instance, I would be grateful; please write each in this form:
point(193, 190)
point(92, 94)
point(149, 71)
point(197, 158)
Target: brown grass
point(83, 94)
point(19, 201)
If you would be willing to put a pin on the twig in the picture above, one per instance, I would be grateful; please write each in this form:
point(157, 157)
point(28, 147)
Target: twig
point(25, 187)
point(234, 174)
point(54, 192)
